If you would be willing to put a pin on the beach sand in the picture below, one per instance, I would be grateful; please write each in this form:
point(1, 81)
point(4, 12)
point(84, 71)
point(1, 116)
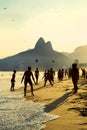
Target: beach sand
point(60, 100)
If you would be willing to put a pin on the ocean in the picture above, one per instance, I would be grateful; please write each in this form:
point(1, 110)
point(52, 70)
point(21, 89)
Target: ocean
point(16, 113)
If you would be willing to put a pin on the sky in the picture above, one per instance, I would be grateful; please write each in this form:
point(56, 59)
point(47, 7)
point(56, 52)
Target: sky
point(23, 22)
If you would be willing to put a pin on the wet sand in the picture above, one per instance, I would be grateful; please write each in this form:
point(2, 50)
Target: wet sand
point(60, 100)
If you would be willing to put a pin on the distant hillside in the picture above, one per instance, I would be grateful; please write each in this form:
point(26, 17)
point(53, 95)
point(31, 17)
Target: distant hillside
point(80, 53)
point(66, 53)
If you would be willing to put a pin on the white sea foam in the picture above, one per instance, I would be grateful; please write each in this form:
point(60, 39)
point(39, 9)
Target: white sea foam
point(18, 114)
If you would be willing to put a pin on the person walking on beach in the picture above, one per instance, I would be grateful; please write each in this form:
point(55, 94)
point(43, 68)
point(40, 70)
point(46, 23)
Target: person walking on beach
point(52, 73)
point(69, 73)
point(13, 80)
point(75, 76)
point(83, 73)
point(60, 74)
point(27, 79)
point(47, 78)
point(37, 75)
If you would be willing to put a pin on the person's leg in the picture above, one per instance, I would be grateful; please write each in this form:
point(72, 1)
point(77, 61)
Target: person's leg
point(12, 86)
point(75, 86)
point(25, 87)
point(30, 82)
point(32, 89)
point(45, 82)
point(37, 79)
point(50, 82)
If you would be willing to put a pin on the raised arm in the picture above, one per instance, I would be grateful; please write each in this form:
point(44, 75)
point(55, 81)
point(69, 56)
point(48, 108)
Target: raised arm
point(23, 78)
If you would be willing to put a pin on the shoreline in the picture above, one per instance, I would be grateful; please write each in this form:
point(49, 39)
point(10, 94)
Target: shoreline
point(59, 100)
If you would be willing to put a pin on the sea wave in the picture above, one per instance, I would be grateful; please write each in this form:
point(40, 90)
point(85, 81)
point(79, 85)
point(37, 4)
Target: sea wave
point(18, 114)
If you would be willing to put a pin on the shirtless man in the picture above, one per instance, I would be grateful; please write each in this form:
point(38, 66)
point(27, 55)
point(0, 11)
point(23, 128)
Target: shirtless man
point(27, 79)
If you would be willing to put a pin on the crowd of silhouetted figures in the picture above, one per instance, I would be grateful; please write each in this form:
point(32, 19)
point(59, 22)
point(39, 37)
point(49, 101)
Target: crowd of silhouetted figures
point(49, 76)
point(61, 74)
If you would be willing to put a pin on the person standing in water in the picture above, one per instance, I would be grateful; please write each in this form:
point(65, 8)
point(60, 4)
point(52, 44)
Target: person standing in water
point(75, 76)
point(27, 79)
point(13, 80)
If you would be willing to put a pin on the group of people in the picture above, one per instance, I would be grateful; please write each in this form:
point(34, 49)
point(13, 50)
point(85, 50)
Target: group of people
point(71, 73)
point(27, 79)
point(48, 76)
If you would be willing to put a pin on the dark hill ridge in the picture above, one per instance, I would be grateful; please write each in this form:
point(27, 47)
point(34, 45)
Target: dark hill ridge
point(79, 53)
point(42, 52)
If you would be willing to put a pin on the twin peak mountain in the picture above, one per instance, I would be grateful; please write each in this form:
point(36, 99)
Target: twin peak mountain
point(43, 46)
point(46, 56)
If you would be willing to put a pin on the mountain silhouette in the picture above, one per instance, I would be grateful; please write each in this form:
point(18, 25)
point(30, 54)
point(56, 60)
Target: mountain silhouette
point(42, 56)
point(42, 47)
point(79, 53)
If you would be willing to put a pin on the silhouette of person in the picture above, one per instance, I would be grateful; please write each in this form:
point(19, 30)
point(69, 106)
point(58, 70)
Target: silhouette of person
point(60, 74)
point(27, 79)
point(13, 80)
point(52, 73)
point(66, 72)
point(47, 78)
point(69, 73)
point(36, 75)
point(83, 73)
point(44, 75)
point(75, 76)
